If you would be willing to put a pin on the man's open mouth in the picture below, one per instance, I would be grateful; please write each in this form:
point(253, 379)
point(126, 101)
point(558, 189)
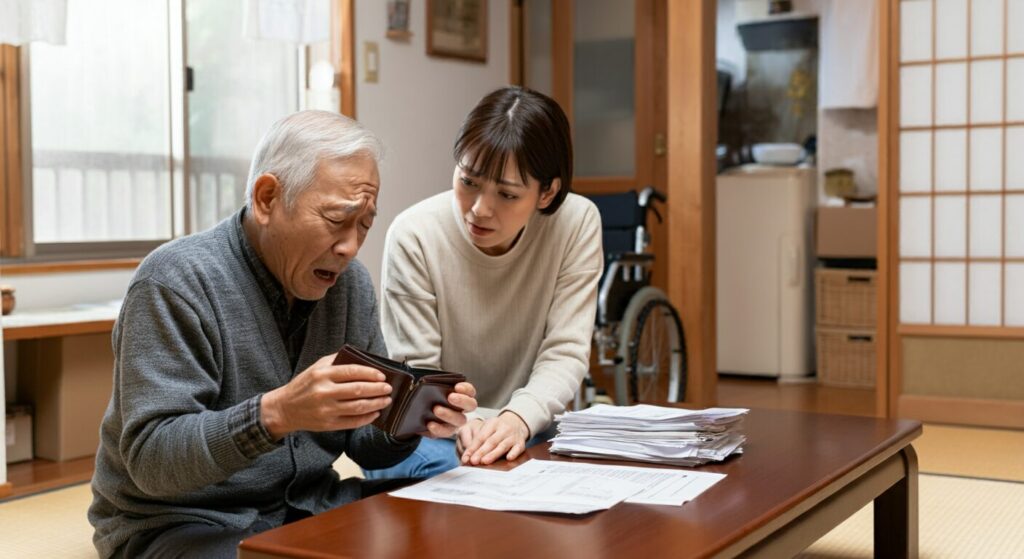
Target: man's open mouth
point(325, 275)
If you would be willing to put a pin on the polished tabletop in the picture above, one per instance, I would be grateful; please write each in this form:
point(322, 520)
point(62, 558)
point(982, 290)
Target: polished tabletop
point(789, 457)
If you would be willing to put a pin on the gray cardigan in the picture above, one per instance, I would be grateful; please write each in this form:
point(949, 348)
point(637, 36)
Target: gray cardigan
point(195, 346)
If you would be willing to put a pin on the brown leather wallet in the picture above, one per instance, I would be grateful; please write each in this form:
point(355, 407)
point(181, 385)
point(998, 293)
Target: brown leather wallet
point(414, 391)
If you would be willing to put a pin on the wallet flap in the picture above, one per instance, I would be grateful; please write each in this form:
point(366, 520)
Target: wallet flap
point(419, 410)
point(414, 391)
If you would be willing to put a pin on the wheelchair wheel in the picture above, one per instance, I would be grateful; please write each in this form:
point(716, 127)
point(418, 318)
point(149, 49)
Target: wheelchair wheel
point(653, 351)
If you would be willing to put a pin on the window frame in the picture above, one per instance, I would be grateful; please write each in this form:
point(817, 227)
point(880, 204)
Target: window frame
point(17, 247)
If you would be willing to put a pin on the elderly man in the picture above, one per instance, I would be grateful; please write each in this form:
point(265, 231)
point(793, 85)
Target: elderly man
point(227, 412)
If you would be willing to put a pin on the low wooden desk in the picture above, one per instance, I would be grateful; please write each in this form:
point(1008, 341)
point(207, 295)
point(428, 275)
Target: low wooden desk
point(801, 475)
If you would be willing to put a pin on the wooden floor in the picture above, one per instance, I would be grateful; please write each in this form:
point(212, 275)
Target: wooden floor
point(36, 476)
point(754, 392)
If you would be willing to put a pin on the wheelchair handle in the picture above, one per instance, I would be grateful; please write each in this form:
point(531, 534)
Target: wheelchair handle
point(650, 192)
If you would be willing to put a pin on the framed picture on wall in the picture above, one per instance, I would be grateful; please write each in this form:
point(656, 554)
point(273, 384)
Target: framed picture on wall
point(398, 19)
point(457, 29)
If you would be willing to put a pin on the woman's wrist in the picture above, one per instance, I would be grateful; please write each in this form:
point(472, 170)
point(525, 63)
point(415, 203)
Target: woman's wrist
point(522, 427)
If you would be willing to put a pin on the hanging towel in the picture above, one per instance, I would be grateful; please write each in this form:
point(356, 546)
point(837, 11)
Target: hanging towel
point(22, 21)
point(849, 54)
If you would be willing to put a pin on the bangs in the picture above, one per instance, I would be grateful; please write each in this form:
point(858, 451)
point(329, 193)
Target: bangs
point(486, 151)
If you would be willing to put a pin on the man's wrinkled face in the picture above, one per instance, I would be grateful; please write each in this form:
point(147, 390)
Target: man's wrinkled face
point(308, 245)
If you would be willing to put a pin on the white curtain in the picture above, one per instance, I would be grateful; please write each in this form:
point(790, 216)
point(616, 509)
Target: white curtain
point(848, 71)
point(294, 21)
point(22, 21)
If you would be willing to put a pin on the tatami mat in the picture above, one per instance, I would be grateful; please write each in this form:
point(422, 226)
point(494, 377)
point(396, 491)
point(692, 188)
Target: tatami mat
point(958, 518)
point(49, 525)
point(971, 452)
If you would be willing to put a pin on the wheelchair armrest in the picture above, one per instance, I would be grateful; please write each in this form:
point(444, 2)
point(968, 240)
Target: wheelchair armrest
point(630, 258)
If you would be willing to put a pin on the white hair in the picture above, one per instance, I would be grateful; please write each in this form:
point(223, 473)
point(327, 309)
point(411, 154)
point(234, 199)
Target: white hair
point(295, 145)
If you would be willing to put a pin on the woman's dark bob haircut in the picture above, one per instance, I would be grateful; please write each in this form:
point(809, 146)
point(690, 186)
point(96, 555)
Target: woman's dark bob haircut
point(524, 124)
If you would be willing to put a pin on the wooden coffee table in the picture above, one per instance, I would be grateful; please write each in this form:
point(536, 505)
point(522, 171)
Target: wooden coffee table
point(801, 474)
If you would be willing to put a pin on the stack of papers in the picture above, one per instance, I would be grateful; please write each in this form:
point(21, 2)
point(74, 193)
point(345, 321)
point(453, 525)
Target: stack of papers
point(651, 434)
point(561, 487)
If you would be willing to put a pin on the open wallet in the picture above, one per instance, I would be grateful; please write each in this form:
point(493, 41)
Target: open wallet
point(414, 391)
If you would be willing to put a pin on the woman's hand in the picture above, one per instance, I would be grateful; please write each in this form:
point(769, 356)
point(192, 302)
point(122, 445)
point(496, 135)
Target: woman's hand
point(463, 398)
point(486, 441)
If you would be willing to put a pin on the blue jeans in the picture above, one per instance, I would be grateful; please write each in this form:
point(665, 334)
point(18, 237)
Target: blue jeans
point(435, 456)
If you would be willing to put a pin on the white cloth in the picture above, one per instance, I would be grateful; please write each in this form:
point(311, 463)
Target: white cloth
point(518, 325)
point(293, 21)
point(849, 54)
point(22, 21)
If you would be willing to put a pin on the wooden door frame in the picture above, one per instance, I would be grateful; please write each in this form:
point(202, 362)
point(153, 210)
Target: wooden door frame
point(686, 113)
point(691, 136)
point(886, 378)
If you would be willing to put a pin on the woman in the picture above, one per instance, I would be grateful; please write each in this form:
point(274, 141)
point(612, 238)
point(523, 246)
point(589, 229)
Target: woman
point(497, 279)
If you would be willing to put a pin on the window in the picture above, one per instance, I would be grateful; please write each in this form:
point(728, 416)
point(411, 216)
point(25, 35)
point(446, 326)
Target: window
point(111, 127)
point(99, 127)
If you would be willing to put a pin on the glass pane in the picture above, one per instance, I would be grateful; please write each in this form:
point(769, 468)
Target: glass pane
point(950, 293)
point(604, 117)
point(915, 30)
point(916, 96)
point(986, 159)
point(538, 45)
point(951, 160)
point(951, 93)
point(241, 86)
point(100, 139)
point(985, 294)
point(1015, 165)
point(1015, 225)
point(915, 161)
point(986, 27)
point(1015, 35)
point(1014, 295)
point(950, 226)
point(987, 91)
point(951, 29)
point(1015, 89)
point(915, 293)
point(915, 226)
point(986, 226)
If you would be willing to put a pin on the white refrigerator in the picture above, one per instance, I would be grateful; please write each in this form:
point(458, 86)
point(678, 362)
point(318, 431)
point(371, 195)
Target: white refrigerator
point(764, 271)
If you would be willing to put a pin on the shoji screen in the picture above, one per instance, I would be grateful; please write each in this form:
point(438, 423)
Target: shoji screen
point(960, 184)
point(956, 190)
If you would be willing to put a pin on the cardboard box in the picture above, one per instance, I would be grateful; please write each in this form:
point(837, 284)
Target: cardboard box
point(846, 232)
point(68, 380)
point(18, 433)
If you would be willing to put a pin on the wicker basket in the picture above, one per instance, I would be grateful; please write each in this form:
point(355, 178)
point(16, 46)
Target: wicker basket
point(845, 297)
point(846, 357)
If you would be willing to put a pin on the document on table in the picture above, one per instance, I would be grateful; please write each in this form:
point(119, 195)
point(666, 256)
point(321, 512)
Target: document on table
point(661, 486)
point(565, 487)
point(507, 491)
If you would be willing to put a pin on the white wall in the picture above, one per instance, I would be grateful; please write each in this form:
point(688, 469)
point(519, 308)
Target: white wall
point(417, 107)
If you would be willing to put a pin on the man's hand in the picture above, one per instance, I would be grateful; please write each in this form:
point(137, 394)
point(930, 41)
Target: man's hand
point(488, 440)
point(325, 397)
point(464, 398)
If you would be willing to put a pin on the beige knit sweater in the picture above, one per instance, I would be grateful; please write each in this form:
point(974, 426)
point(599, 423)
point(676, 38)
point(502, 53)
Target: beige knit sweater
point(519, 325)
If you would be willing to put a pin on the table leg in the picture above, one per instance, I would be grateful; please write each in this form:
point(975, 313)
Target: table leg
point(896, 513)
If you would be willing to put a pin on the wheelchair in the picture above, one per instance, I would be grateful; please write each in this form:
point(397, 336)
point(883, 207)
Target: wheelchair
point(638, 333)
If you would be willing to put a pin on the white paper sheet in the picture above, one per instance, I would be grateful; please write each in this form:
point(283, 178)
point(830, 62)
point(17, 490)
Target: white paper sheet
point(661, 486)
point(506, 491)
